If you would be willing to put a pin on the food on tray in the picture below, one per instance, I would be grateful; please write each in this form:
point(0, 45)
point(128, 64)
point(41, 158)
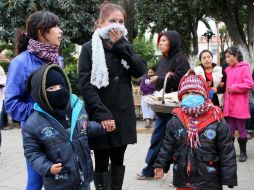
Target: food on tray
point(168, 97)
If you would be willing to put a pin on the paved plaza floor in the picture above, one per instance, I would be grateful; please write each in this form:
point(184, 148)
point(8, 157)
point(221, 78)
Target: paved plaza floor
point(13, 170)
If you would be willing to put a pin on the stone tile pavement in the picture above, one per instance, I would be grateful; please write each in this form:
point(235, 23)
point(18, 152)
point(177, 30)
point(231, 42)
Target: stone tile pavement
point(13, 171)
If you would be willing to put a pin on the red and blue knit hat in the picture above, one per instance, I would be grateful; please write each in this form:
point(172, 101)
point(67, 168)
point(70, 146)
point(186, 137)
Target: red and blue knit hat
point(192, 82)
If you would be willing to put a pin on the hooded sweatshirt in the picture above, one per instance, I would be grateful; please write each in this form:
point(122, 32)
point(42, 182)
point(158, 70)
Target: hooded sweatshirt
point(174, 62)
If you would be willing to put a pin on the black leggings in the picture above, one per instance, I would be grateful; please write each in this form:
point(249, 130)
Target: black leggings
point(102, 156)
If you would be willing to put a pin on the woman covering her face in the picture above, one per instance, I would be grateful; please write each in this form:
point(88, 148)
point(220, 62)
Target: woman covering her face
point(106, 65)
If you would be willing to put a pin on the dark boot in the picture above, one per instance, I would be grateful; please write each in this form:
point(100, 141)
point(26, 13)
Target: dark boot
point(102, 181)
point(242, 145)
point(117, 176)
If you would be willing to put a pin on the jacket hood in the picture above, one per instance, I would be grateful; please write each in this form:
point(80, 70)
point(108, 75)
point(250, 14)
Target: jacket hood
point(174, 40)
point(36, 85)
point(242, 63)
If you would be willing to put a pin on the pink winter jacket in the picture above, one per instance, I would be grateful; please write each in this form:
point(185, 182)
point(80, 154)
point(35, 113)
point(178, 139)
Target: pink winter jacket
point(236, 104)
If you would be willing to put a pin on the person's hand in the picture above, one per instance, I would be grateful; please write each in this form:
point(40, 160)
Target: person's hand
point(115, 35)
point(214, 90)
point(109, 125)
point(153, 79)
point(158, 173)
point(230, 186)
point(209, 83)
point(56, 168)
point(222, 84)
point(229, 90)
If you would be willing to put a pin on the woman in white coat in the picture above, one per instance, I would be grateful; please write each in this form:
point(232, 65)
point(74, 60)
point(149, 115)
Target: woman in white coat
point(214, 76)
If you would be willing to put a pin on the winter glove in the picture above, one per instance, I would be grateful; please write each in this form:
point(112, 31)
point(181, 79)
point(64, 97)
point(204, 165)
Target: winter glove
point(230, 186)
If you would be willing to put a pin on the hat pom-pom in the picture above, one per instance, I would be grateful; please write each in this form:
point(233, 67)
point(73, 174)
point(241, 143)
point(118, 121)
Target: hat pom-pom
point(190, 72)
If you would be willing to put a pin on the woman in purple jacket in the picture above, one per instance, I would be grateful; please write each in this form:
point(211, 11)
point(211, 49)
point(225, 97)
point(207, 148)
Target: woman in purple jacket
point(146, 89)
point(37, 45)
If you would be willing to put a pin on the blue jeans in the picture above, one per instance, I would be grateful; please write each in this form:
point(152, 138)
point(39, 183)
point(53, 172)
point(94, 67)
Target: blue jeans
point(34, 180)
point(155, 144)
point(85, 188)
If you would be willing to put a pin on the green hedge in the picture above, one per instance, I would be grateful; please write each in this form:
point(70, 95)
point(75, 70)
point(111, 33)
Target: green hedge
point(146, 50)
point(5, 65)
point(72, 73)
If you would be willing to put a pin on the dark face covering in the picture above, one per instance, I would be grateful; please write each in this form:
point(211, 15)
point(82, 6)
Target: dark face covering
point(58, 99)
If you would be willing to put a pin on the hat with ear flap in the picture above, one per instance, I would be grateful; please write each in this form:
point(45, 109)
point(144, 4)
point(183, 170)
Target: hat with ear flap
point(192, 82)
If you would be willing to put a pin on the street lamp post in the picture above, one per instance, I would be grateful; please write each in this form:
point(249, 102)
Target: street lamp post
point(209, 34)
point(218, 42)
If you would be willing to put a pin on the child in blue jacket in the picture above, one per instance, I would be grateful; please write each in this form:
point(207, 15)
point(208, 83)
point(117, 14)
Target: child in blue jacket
point(55, 135)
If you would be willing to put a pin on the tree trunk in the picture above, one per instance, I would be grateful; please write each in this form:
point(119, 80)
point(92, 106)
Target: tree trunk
point(194, 38)
point(233, 30)
point(128, 5)
point(250, 32)
point(230, 16)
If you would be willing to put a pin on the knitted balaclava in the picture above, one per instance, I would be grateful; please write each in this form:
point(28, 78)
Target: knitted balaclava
point(58, 99)
point(192, 82)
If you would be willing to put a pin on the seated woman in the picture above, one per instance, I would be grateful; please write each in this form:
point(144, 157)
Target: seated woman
point(147, 88)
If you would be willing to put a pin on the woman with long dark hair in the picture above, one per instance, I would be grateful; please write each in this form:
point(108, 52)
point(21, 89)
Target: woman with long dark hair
point(38, 44)
point(214, 75)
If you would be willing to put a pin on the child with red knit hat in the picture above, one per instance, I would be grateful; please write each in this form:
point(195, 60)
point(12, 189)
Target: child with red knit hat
point(197, 141)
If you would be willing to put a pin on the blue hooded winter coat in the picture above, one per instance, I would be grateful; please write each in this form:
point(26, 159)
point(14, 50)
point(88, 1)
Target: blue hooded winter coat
point(46, 141)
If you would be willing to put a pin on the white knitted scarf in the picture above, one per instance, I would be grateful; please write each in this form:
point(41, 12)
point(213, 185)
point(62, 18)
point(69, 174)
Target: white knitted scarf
point(99, 74)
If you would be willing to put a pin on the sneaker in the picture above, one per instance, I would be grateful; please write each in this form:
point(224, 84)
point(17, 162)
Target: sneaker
point(149, 123)
point(140, 176)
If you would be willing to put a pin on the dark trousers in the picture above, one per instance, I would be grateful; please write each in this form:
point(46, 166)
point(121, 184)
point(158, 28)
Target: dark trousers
point(250, 122)
point(102, 156)
point(155, 144)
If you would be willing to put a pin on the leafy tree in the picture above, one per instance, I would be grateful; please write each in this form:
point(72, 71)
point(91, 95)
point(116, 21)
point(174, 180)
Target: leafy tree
point(146, 50)
point(129, 6)
point(208, 34)
point(160, 15)
point(224, 38)
point(72, 73)
point(77, 16)
point(5, 65)
point(238, 17)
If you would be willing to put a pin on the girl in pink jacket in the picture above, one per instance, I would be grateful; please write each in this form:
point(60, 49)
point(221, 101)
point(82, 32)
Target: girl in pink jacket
point(236, 102)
